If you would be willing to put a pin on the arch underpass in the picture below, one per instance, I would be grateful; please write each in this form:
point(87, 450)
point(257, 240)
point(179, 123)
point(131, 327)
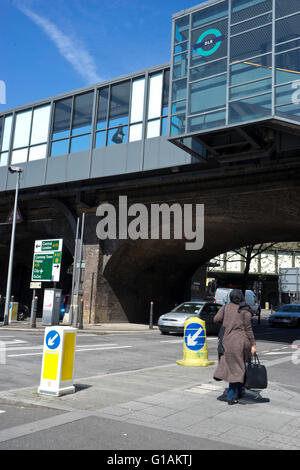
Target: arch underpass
point(240, 209)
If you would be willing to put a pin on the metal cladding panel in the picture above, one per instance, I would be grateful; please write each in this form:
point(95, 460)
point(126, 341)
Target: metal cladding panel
point(35, 173)
point(97, 164)
point(160, 153)
point(134, 157)
point(3, 177)
point(78, 166)
point(56, 169)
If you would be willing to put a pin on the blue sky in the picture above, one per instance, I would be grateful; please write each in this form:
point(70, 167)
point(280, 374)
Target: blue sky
point(50, 47)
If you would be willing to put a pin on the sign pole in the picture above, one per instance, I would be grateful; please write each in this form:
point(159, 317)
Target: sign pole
point(33, 310)
point(74, 273)
point(79, 273)
point(11, 254)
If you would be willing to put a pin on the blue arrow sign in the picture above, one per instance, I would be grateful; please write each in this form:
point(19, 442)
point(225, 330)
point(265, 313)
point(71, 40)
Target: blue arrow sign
point(53, 339)
point(194, 336)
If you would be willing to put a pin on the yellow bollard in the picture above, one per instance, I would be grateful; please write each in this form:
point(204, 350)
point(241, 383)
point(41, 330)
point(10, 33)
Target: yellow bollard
point(194, 344)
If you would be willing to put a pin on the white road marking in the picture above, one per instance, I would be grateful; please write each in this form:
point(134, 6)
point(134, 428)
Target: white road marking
point(277, 352)
point(16, 341)
point(1, 411)
point(103, 348)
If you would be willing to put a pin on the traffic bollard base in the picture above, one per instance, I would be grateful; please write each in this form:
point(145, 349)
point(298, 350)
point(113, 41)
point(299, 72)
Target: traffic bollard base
point(195, 363)
point(58, 393)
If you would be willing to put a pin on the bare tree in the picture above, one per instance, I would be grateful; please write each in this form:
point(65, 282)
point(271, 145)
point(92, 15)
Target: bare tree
point(248, 254)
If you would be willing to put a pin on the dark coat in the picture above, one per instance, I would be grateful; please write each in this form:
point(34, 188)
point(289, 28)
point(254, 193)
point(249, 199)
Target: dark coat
point(237, 341)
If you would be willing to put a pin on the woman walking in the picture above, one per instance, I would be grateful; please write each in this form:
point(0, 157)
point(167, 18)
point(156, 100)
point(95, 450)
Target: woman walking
point(238, 343)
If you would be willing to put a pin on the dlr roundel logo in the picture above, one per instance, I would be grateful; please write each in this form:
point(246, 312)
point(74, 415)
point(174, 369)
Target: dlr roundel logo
point(209, 42)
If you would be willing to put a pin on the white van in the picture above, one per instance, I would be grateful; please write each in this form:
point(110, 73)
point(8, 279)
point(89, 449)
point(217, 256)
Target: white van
point(222, 297)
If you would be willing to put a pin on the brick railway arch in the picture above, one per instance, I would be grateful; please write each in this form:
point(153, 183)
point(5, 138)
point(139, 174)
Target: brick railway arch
point(133, 273)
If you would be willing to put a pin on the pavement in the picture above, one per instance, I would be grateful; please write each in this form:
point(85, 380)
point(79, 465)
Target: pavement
point(169, 399)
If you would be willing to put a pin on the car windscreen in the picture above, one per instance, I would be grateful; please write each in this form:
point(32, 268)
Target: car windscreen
point(290, 308)
point(188, 308)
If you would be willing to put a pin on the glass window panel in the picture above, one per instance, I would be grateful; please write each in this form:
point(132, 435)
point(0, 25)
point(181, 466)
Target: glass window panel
point(255, 88)
point(155, 96)
point(288, 93)
point(137, 100)
point(233, 262)
point(250, 109)
point(82, 114)
point(208, 15)
point(6, 132)
point(178, 107)
point(22, 129)
point(287, 66)
point(246, 25)
point(40, 125)
point(289, 111)
point(166, 92)
point(153, 129)
point(180, 65)
point(287, 46)
point(209, 43)
point(119, 104)
point(178, 124)
point(61, 147)
point(4, 159)
point(181, 48)
point(38, 152)
point(117, 136)
point(284, 8)
point(179, 90)
point(287, 29)
point(182, 29)
point(207, 121)
point(251, 69)
point(102, 108)
point(164, 126)
point(252, 43)
point(62, 119)
point(19, 156)
point(100, 139)
point(136, 131)
point(81, 143)
point(285, 260)
point(254, 266)
point(267, 263)
point(206, 70)
point(244, 9)
point(208, 94)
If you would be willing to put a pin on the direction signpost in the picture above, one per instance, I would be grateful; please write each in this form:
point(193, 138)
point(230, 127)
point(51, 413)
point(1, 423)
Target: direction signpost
point(47, 260)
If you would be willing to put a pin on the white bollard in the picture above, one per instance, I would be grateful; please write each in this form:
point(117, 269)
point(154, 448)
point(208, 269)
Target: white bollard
point(58, 361)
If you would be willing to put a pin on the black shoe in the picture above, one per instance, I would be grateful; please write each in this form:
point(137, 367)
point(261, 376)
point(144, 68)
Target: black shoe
point(232, 402)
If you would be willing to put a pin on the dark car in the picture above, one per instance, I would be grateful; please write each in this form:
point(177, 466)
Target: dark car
point(173, 322)
point(286, 315)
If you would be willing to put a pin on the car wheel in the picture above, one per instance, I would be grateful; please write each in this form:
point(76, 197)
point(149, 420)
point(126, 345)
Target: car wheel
point(164, 332)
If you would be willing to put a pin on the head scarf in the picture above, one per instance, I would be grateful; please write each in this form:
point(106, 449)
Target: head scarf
point(237, 297)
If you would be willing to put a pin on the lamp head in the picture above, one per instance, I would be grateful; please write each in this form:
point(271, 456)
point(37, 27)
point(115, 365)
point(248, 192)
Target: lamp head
point(14, 169)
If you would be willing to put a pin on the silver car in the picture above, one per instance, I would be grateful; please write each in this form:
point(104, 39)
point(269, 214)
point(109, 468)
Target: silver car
point(173, 322)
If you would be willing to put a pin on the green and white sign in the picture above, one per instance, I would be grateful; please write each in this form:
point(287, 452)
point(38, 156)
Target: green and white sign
point(47, 260)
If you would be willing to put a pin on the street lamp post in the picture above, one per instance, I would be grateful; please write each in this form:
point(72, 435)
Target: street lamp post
point(17, 170)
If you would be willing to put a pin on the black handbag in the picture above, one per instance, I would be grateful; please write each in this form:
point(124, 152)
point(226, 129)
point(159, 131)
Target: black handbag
point(256, 374)
point(220, 341)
